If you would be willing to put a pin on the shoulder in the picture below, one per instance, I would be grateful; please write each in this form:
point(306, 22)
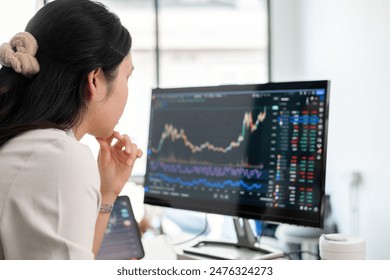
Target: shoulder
point(48, 143)
point(52, 140)
point(49, 151)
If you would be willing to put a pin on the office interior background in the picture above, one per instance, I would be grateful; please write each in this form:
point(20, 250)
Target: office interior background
point(211, 42)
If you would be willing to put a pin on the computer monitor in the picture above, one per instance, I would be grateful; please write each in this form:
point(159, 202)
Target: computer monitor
point(252, 151)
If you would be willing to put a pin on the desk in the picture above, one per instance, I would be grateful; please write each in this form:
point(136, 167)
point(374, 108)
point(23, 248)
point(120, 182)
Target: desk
point(160, 248)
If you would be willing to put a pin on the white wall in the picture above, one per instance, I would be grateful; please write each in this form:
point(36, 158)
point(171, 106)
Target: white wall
point(348, 42)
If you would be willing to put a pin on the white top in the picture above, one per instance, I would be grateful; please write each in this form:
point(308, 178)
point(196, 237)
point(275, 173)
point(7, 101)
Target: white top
point(49, 197)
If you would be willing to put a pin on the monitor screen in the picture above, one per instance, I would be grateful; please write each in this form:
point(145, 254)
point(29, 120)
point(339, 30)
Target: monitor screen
point(250, 151)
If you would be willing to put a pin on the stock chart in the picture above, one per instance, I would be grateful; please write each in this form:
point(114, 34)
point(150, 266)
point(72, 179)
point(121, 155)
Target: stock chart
point(256, 147)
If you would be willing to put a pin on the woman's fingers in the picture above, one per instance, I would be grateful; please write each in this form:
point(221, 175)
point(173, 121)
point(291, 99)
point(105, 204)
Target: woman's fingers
point(125, 144)
point(128, 145)
point(127, 151)
point(139, 153)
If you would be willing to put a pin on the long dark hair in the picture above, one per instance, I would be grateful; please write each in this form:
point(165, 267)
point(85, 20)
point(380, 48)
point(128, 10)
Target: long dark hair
point(74, 38)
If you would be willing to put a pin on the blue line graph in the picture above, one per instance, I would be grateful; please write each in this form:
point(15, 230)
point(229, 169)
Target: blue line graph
point(208, 170)
point(205, 182)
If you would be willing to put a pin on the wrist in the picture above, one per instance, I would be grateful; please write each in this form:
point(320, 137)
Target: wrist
point(107, 203)
point(108, 197)
point(106, 208)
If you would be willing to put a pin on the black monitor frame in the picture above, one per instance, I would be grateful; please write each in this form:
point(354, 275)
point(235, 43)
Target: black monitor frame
point(279, 215)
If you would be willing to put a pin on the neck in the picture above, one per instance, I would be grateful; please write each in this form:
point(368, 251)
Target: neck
point(79, 131)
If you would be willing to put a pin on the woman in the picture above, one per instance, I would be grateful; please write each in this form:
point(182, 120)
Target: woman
point(64, 77)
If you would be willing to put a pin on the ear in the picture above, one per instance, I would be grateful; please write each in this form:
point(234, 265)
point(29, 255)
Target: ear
point(94, 84)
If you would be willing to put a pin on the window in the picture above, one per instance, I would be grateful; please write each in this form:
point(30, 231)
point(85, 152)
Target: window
point(213, 42)
point(14, 18)
point(199, 42)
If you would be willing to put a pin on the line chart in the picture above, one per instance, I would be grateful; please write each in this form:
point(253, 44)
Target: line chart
point(206, 183)
point(176, 134)
point(208, 170)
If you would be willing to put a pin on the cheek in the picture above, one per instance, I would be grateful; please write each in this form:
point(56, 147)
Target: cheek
point(124, 94)
point(122, 98)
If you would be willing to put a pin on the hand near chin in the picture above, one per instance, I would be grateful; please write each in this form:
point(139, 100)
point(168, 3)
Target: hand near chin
point(116, 162)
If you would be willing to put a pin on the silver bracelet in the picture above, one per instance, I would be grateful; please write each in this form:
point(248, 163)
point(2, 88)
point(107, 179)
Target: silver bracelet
point(106, 208)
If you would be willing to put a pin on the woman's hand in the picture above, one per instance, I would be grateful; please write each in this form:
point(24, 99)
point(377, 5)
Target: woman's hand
point(116, 163)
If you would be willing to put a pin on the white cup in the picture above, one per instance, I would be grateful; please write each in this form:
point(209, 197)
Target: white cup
point(338, 246)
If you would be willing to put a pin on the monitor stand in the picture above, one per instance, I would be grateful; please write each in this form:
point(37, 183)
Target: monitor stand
point(246, 247)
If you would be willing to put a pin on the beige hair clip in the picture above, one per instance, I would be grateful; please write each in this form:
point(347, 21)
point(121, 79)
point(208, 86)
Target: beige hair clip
point(19, 54)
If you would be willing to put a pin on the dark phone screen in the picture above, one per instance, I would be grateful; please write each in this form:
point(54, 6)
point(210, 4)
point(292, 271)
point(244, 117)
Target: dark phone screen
point(122, 240)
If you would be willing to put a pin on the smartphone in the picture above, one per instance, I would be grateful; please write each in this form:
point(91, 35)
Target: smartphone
point(122, 239)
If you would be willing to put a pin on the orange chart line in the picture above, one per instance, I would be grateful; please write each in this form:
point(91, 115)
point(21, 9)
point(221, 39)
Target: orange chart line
point(175, 134)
